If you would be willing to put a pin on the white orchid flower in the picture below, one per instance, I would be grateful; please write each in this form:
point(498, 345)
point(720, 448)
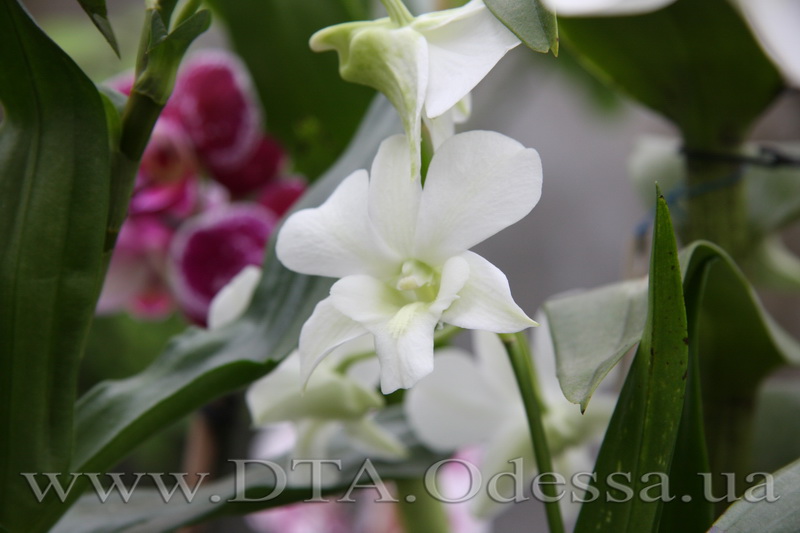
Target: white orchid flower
point(775, 24)
point(401, 251)
point(340, 397)
point(604, 8)
point(424, 65)
point(469, 401)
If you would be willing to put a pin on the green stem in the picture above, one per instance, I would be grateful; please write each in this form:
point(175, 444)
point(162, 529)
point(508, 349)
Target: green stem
point(519, 355)
point(419, 511)
point(716, 205)
point(398, 12)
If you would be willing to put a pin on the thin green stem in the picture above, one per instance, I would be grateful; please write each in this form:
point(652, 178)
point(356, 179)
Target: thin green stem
point(516, 345)
point(419, 511)
point(398, 12)
point(716, 207)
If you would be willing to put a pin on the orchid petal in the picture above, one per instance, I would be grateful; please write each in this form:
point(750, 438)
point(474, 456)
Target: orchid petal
point(608, 8)
point(544, 355)
point(463, 46)
point(374, 441)
point(506, 444)
point(478, 183)
point(485, 302)
point(453, 407)
point(335, 239)
point(492, 360)
point(128, 275)
point(393, 196)
point(440, 128)
point(775, 24)
point(232, 300)
point(328, 396)
point(324, 331)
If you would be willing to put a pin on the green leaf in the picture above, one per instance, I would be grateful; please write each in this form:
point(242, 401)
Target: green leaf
point(201, 365)
point(781, 516)
point(683, 61)
point(307, 106)
point(96, 9)
point(728, 304)
point(147, 512)
point(54, 175)
point(642, 433)
point(591, 332)
point(530, 21)
point(165, 53)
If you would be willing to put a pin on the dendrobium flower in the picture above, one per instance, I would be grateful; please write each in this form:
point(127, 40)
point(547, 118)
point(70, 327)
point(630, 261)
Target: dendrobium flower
point(402, 251)
point(475, 401)
point(339, 398)
point(424, 65)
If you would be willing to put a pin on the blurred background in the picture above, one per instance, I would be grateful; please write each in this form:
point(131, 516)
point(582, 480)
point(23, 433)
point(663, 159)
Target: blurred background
point(582, 234)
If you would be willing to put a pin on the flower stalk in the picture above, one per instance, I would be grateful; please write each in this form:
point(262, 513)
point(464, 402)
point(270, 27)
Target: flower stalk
point(398, 12)
point(418, 509)
point(519, 355)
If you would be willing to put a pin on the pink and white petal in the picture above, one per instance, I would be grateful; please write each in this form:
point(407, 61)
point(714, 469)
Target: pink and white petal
point(232, 300)
point(335, 239)
point(462, 49)
point(485, 302)
point(128, 274)
point(393, 196)
point(478, 183)
point(453, 406)
point(604, 8)
point(325, 330)
point(775, 24)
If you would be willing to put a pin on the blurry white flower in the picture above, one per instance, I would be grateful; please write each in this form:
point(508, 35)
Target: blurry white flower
point(600, 8)
point(776, 24)
point(401, 251)
point(339, 397)
point(424, 65)
point(468, 401)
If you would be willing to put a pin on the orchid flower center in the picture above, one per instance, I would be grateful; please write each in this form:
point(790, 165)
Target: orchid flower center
point(418, 280)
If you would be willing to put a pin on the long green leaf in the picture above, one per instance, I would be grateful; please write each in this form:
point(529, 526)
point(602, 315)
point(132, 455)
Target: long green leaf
point(317, 112)
point(642, 433)
point(759, 514)
point(54, 176)
point(147, 512)
point(96, 9)
point(695, 62)
point(530, 21)
point(200, 365)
